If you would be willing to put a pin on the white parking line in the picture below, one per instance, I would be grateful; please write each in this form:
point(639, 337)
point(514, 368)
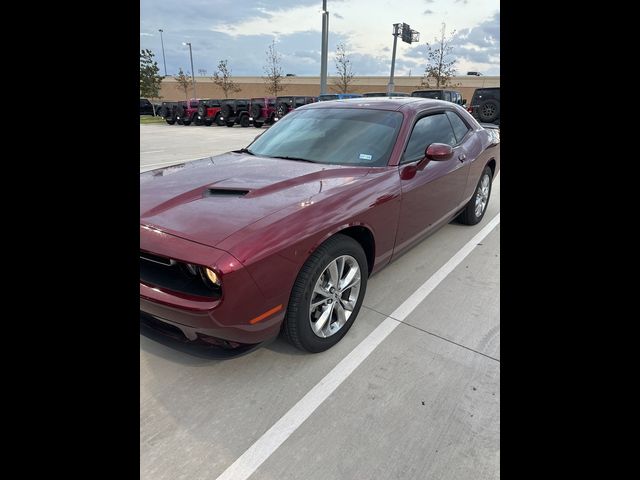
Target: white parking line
point(269, 442)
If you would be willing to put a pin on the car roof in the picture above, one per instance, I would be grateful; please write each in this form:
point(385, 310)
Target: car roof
point(382, 103)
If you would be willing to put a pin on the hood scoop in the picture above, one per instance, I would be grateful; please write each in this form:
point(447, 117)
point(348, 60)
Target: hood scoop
point(225, 192)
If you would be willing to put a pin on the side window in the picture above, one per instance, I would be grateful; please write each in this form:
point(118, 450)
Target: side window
point(299, 101)
point(432, 129)
point(459, 127)
point(446, 96)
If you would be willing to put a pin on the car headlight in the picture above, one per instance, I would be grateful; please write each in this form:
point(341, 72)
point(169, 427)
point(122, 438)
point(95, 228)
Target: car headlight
point(211, 276)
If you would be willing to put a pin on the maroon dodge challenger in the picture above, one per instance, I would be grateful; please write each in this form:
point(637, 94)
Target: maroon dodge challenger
point(281, 236)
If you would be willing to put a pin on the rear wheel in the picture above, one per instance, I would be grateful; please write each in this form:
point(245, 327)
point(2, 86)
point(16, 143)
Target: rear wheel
point(258, 124)
point(186, 122)
point(327, 295)
point(219, 122)
point(171, 122)
point(230, 124)
point(208, 123)
point(244, 121)
point(474, 210)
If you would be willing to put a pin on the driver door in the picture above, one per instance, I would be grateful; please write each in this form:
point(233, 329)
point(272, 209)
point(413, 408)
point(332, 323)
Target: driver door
point(432, 194)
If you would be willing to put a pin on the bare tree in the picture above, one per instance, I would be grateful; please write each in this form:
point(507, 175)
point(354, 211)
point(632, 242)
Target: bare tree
point(343, 68)
point(184, 82)
point(222, 78)
point(439, 69)
point(273, 70)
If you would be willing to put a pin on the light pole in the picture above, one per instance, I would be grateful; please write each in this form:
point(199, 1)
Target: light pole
point(396, 32)
point(163, 59)
point(193, 77)
point(325, 47)
point(409, 36)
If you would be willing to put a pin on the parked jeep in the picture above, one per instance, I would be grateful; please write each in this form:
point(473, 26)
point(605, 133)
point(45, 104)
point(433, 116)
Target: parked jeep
point(485, 105)
point(262, 111)
point(235, 112)
point(209, 112)
point(446, 95)
point(168, 111)
point(285, 104)
point(337, 96)
point(385, 94)
point(187, 112)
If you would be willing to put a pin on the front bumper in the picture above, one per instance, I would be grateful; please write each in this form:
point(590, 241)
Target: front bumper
point(208, 319)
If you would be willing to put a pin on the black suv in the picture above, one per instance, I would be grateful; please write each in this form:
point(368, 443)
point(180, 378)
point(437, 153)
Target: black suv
point(234, 112)
point(485, 105)
point(285, 104)
point(452, 96)
point(146, 108)
point(168, 110)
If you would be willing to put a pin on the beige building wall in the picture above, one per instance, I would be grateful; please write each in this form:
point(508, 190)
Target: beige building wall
point(310, 86)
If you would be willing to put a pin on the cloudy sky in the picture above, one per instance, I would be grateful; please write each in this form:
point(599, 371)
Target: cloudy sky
point(241, 30)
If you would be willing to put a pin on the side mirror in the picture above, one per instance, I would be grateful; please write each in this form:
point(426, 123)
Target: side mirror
point(438, 151)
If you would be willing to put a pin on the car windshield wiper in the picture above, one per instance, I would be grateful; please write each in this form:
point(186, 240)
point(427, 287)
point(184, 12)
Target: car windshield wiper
point(284, 157)
point(244, 150)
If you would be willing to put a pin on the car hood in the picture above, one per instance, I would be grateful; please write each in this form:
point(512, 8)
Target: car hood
point(209, 199)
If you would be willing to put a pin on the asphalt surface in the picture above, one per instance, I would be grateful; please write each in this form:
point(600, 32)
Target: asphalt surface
point(423, 405)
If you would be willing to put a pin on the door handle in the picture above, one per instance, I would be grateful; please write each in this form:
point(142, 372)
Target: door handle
point(462, 157)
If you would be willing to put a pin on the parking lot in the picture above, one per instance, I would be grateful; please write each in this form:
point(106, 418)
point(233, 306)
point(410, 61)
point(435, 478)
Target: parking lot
point(421, 402)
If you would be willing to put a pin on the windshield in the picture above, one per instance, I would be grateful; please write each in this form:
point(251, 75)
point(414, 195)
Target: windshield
point(341, 136)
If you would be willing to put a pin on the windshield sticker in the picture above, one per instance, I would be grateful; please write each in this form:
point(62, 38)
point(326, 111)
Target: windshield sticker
point(364, 156)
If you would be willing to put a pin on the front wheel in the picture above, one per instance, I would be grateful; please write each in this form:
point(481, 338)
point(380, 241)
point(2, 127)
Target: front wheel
point(244, 121)
point(171, 122)
point(474, 210)
point(327, 295)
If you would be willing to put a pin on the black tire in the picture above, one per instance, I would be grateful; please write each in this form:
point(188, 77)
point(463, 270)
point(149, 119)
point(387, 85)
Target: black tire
point(489, 110)
point(255, 110)
point(208, 123)
point(226, 110)
point(258, 124)
point(297, 325)
point(230, 124)
point(244, 121)
point(180, 122)
point(468, 216)
point(186, 122)
point(171, 122)
point(219, 122)
point(282, 109)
